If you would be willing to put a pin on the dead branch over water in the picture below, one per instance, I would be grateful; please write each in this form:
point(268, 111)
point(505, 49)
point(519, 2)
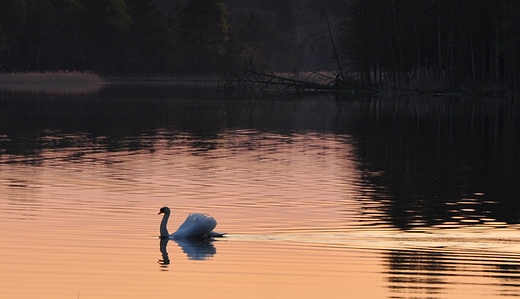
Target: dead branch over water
point(417, 82)
point(267, 80)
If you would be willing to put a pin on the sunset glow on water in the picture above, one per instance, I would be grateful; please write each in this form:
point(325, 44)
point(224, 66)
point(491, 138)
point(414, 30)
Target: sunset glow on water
point(308, 214)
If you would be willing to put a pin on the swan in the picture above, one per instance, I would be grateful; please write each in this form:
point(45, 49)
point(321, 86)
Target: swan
point(195, 226)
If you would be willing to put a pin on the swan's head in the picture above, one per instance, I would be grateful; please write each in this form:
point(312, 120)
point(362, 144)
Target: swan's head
point(164, 210)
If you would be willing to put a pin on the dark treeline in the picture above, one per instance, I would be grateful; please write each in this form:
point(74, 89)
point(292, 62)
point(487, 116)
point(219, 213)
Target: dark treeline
point(456, 45)
point(471, 43)
point(155, 37)
point(116, 37)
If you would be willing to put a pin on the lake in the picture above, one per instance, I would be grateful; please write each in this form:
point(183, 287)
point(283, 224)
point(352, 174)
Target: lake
point(321, 195)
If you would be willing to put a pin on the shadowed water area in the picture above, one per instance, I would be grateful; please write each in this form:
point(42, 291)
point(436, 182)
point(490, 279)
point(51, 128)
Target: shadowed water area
point(322, 196)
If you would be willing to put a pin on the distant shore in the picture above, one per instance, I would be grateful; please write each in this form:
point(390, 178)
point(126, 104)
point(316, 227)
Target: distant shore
point(206, 80)
point(51, 82)
point(72, 82)
point(92, 78)
point(87, 82)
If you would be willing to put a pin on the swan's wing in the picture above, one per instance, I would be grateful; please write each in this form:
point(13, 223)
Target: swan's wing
point(196, 225)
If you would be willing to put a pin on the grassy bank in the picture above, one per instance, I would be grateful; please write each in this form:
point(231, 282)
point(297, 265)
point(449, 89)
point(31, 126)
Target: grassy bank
point(51, 82)
point(197, 81)
point(63, 82)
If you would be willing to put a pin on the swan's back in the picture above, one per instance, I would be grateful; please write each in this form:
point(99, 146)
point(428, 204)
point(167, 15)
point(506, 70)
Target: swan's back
point(196, 225)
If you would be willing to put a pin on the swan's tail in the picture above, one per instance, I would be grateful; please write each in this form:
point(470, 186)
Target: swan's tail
point(214, 234)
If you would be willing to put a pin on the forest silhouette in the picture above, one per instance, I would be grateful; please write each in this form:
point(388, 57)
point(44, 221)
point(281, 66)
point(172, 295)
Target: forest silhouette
point(454, 45)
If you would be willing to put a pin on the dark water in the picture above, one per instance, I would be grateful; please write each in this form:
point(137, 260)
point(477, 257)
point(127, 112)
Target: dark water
point(322, 195)
point(431, 161)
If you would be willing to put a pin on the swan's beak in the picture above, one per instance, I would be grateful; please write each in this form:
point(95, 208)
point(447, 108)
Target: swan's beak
point(160, 212)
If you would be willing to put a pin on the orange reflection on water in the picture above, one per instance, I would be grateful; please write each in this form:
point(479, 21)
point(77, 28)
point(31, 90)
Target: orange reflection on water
point(59, 267)
point(267, 269)
point(82, 223)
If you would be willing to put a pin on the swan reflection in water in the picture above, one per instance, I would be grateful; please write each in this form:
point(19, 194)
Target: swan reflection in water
point(195, 236)
point(195, 249)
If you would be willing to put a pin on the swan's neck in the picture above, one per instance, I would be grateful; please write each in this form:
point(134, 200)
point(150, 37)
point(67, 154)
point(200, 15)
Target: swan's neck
point(164, 222)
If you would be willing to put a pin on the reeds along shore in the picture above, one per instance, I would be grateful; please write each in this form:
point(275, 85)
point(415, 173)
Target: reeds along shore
point(417, 82)
point(49, 77)
point(60, 82)
point(64, 82)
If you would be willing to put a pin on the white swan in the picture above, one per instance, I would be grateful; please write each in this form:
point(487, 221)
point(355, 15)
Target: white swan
point(195, 226)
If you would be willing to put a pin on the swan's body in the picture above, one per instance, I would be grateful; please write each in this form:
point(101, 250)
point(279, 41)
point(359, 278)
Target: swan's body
point(195, 226)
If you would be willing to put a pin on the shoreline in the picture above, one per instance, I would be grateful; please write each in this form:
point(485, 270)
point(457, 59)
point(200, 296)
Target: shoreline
point(52, 82)
point(89, 77)
point(63, 82)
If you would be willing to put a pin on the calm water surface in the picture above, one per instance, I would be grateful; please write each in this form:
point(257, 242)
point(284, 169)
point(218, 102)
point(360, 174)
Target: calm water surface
point(321, 196)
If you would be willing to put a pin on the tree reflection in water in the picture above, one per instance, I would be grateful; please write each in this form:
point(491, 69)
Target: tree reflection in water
point(436, 272)
point(430, 161)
